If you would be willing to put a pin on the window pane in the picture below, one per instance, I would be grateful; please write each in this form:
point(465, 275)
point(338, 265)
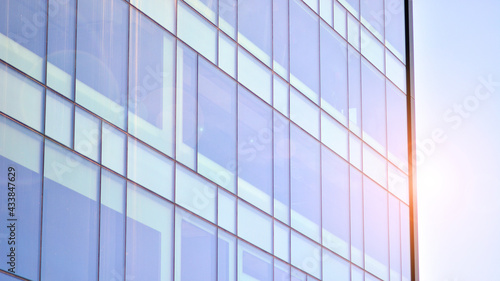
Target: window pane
point(20, 163)
point(253, 264)
point(255, 226)
point(87, 134)
point(112, 229)
point(397, 128)
point(376, 229)
point(101, 62)
point(197, 32)
point(254, 75)
point(398, 183)
point(334, 135)
point(281, 241)
point(195, 248)
point(333, 74)
point(227, 54)
point(395, 70)
point(255, 151)
point(187, 82)
point(150, 169)
point(305, 185)
point(227, 17)
point(280, 38)
point(149, 240)
point(394, 239)
point(216, 125)
point(21, 98)
point(340, 18)
point(254, 28)
point(61, 47)
point(70, 216)
point(335, 268)
point(355, 151)
point(162, 11)
point(326, 11)
point(226, 208)
point(281, 162)
point(113, 149)
point(304, 50)
point(405, 242)
point(281, 95)
point(23, 26)
point(356, 204)
point(372, 16)
point(226, 257)
point(353, 31)
point(335, 202)
point(395, 27)
point(372, 49)
point(151, 90)
point(374, 165)
point(306, 254)
point(59, 119)
point(354, 60)
point(195, 193)
point(373, 104)
point(304, 113)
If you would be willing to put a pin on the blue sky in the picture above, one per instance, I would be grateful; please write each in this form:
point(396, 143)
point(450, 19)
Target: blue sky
point(457, 75)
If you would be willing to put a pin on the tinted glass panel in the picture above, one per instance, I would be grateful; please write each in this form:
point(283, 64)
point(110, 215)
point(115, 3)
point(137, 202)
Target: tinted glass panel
point(372, 16)
point(21, 190)
point(150, 169)
point(195, 248)
point(151, 85)
point(22, 35)
point(253, 264)
point(216, 125)
point(305, 185)
point(87, 134)
point(304, 50)
point(397, 135)
point(280, 37)
point(59, 114)
point(333, 74)
point(376, 229)
point(197, 32)
point(70, 216)
point(395, 27)
point(186, 98)
point(195, 193)
point(112, 229)
point(61, 46)
point(305, 254)
point(101, 61)
point(373, 104)
point(281, 161)
point(255, 150)
point(149, 240)
point(21, 98)
point(335, 202)
point(254, 28)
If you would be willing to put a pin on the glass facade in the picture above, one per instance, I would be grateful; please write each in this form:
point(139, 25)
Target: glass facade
point(204, 140)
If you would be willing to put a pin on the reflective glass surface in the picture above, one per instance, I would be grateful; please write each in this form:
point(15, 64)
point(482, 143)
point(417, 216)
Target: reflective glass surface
point(205, 140)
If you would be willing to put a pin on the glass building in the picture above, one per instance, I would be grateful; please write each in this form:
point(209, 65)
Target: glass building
point(206, 140)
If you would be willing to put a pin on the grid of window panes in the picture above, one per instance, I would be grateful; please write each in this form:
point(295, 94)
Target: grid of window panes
point(205, 139)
